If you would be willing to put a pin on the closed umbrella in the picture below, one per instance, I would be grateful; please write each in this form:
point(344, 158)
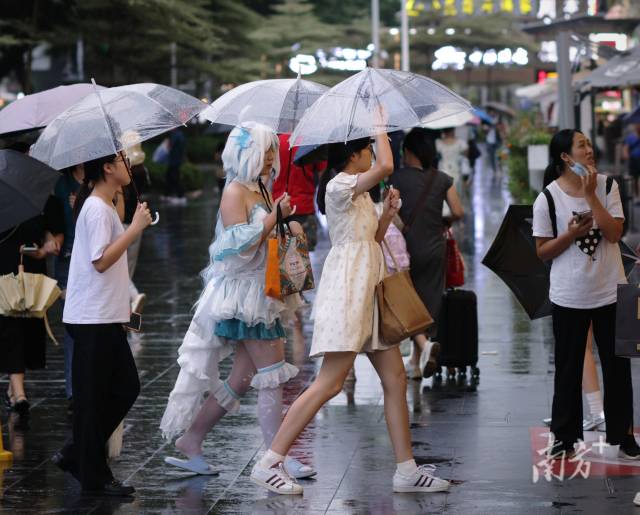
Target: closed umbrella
point(25, 185)
point(276, 103)
point(350, 110)
point(38, 110)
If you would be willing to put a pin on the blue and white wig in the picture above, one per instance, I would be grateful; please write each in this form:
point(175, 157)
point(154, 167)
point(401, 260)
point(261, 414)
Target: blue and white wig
point(243, 155)
point(243, 161)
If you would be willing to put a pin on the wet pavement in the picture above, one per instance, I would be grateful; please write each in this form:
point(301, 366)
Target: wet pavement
point(483, 434)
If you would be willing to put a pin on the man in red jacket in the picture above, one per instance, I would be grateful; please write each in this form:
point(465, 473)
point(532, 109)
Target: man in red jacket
point(300, 182)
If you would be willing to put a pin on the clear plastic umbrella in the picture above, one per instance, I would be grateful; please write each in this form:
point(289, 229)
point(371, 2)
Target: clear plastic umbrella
point(350, 110)
point(111, 120)
point(102, 122)
point(276, 103)
point(37, 110)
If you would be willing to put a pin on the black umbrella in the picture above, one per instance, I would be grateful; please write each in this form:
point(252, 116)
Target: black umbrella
point(309, 154)
point(512, 256)
point(25, 185)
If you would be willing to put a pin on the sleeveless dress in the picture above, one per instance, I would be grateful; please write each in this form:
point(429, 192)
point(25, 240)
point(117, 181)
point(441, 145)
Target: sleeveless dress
point(232, 306)
point(345, 312)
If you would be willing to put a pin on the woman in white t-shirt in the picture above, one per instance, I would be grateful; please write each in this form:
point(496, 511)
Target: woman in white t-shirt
point(105, 377)
point(453, 158)
point(586, 269)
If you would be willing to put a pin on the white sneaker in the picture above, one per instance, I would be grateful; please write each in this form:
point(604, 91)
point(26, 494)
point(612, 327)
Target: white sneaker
point(275, 479)
point(593, 423)
point(422, 480)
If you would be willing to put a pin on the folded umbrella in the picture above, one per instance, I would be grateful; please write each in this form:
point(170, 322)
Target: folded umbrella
point(351, 109)
point(25, 185)
point(38, 110)
point(276, 103)
point(513, 257)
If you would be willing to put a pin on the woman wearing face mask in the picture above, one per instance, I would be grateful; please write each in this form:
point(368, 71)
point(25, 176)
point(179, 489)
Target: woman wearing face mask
point(233, 313)
point(586, 268)
point(344, 313)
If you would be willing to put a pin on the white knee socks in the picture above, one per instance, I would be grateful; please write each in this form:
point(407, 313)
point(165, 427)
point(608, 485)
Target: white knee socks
point(269, 412)
point(594, 400)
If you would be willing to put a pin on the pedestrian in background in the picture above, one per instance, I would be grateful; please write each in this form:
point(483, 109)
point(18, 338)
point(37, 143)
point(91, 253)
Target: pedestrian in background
point(66, 190)
point(174, 191)
point(453, 158)
point(631, 154)
point(425, 191)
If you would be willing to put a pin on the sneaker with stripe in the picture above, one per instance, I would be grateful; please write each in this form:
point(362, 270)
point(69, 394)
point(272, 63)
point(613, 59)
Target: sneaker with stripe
point(422, 480)
point(275, 479)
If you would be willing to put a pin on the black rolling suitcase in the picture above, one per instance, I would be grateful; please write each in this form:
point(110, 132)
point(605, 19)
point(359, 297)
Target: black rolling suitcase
point(458, 332)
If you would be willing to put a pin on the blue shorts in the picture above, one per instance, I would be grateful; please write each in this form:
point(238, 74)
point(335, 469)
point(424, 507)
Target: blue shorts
point(234, 329)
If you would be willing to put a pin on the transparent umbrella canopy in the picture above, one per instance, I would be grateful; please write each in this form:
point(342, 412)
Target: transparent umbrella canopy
point(276, 103)
point(103, 123)
point(350, 110)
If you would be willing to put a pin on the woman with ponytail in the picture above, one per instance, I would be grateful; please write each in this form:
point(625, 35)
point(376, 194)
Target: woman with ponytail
point(234, 315)
point(577, 223)
point(345, 317)
point(104, 375)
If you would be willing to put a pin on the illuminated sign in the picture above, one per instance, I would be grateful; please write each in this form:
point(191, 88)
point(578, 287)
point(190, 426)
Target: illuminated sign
point(472, 7)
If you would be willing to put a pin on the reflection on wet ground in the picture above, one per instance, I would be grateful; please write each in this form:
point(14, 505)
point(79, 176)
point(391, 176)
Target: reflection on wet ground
point(477, 433)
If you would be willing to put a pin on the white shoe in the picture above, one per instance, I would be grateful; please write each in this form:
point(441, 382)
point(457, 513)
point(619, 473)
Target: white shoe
point(636, 499)
point(422, 480)
point(138, 303)
point(275, 479)
point(428, 358)
point(297, 469)
point(593, 423)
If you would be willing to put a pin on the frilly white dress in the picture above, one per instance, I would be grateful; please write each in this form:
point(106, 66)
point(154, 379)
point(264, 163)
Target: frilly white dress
point(235, 291)
point(345, 312)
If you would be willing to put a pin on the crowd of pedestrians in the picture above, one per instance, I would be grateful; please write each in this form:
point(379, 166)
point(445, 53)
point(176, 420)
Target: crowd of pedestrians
point(387, 209)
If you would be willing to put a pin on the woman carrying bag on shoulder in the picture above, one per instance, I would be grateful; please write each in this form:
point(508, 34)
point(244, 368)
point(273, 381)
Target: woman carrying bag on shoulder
point(586, 269)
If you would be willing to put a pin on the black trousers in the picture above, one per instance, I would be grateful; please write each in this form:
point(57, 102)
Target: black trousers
point(105, 386)
point(570, 328)
point(173, 185)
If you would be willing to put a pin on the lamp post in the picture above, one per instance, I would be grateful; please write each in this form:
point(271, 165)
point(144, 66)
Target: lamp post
point(404, 36)
point(375, 32)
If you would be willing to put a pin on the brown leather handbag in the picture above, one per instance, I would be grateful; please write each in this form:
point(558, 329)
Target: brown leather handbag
point(402, 312)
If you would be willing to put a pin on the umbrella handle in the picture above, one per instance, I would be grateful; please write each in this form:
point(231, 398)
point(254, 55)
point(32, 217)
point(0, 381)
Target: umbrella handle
point(156, 219)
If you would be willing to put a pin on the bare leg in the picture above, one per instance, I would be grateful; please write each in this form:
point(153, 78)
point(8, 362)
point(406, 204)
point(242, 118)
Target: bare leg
point(190, 443)
point(16, 387)
point(590, 381)
point(390, 369)
point(327, 384)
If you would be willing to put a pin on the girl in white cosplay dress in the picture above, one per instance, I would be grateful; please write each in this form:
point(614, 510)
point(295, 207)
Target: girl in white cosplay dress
point(233, 313)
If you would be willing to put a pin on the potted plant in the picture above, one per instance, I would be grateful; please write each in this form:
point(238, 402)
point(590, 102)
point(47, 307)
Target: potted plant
point(537, 143)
